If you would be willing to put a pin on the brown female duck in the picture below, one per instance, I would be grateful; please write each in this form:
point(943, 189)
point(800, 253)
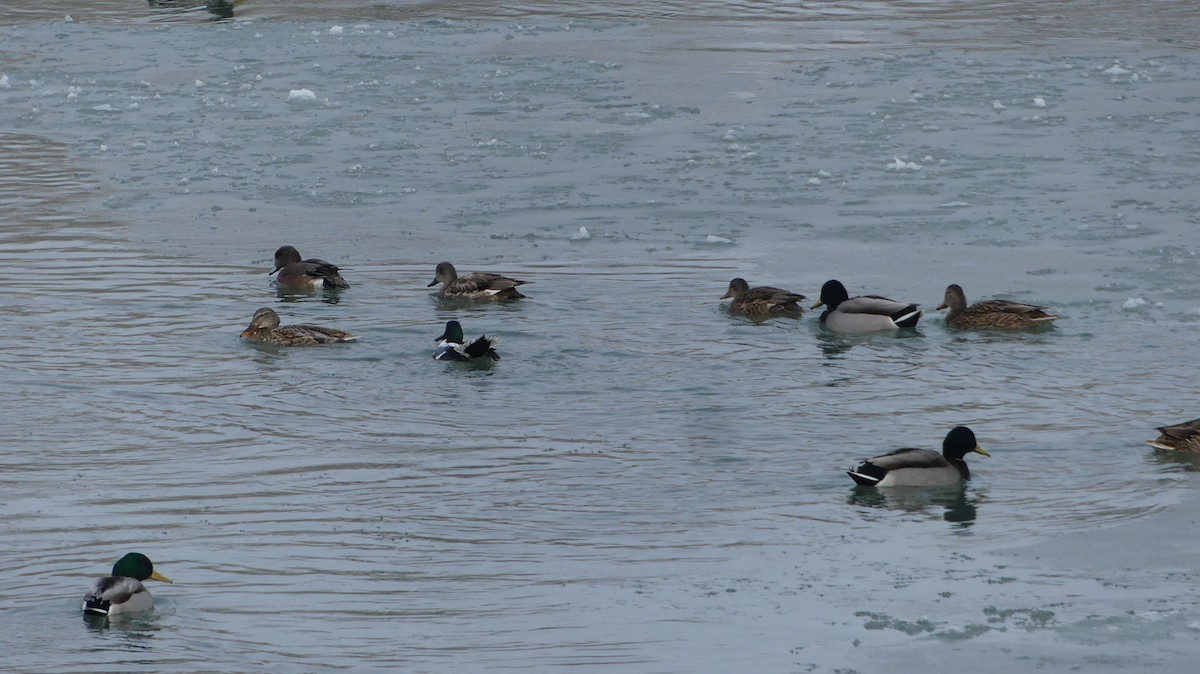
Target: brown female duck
point(761, 300)
point(991, 314)
point(264, 328)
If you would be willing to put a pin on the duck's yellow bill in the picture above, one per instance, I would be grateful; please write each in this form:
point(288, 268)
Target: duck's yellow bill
point(980, 450)
point(158, 576)
point(817, 305)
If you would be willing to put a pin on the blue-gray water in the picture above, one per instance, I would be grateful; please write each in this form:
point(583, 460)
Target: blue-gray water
point(644, 483)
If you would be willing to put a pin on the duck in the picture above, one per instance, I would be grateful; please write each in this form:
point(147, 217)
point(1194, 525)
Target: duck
point(1183, 437)
point(761, 300)
point(264, 328)
point(123, 592)
point(991, 314)
point(911, 467)
point(866, 313)
point(452, 347)
point(476, 286)
point(310, 273)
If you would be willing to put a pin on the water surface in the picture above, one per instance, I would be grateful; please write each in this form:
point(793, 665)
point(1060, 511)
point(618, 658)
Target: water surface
point(644, 482)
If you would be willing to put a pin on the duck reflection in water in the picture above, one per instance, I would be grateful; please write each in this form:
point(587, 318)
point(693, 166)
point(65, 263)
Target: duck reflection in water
point(953, 498)
point(220, 9)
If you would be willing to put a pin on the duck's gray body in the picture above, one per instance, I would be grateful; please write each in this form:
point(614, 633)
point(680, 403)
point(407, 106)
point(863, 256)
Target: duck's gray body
point(865, 313)
point(113, 595)
point(910, 467)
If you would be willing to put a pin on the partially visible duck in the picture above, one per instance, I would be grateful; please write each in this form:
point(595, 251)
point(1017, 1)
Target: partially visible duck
point(123, 592)
point(264, 328)
point(476, 286)
point(451, 346)
point(1183, 437)
point(991, 314)
point(310, 273)
point(921, 467)
point(761, 300)
point(866, 313)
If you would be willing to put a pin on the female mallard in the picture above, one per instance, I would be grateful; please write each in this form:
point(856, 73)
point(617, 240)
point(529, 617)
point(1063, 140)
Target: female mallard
point(991, 314)
point(477, 286)
point(1184, 437)
point(761, 300)
point(310, 273)
point(866, 313)
point(451, 346)
point(123, 592)
point(264, 328)
point(921, 467)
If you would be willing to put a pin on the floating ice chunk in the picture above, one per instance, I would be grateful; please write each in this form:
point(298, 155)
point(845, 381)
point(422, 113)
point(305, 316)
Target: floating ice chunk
point(997, 105)
point(1133, 303)
point(582, 235)
point(822, 173)
point(336, 30)
point(813, 181)
point(199, 83)
point(301, 95)
point(898, 164)
point(1116, 69)
point(955, 204)
point(1039, 102)
point(68, 19)
point(713, 238)
point(4, 82)
point(103, 107)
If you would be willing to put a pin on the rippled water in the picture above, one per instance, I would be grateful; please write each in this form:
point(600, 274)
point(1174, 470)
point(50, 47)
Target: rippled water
point(644, 482)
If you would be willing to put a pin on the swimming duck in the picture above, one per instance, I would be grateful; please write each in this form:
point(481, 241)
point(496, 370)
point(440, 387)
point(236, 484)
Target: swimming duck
point(477, 286)
point(866, 313)
point(761, 300)
point(264, 328)
point(310, 273)
point(991, 314)
point(451, 346)
point(1183, 437)
point(123, 592)
point(921, 467)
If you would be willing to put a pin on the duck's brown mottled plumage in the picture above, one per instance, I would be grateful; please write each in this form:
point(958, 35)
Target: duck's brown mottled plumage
point(477, 286)
point(1182, 437)
point(264, 328)
point(761, 300)
point(991, 314)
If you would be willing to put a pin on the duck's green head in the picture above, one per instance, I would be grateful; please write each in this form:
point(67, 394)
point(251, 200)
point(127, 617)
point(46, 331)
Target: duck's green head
point(453, 333)
point(138, 566)
point(833, 293)
point(959, 442)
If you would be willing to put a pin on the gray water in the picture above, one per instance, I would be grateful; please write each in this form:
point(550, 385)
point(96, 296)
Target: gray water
point(644, 483)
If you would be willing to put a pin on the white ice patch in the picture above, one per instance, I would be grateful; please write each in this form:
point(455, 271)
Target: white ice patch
point(898, 164)
point(1039, 102)
point(301, 95)
point(713, 238)
point(4, 82)
point(336, 30)
point(1133, 303)
point(582, 235)
point(1116, 69)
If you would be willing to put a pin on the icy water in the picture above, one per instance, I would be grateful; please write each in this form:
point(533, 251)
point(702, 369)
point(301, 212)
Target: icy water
point(644, 483)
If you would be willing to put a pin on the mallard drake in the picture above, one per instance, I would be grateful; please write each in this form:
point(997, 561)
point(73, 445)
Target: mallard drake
point(1183, 437)
point(921, 467)
point(477, 286)
point(866, 313)
point(761, 300)
point(264, 328)
point(991, 314)
point(123, 592)
point(310, 273)
point(451, 346)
